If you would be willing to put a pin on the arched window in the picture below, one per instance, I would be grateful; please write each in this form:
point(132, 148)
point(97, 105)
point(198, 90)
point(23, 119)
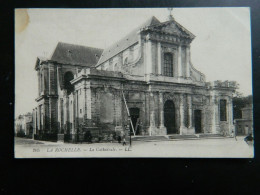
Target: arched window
point(168, 65)
point(67, 85)
point(223, 110)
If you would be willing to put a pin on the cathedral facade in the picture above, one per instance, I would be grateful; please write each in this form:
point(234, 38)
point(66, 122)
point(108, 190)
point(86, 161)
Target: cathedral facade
point(145, 80)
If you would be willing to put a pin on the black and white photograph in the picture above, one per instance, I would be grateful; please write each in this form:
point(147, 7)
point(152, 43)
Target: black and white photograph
point(133, 82)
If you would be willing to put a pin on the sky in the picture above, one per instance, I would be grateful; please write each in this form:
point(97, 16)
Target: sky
point(221, 49)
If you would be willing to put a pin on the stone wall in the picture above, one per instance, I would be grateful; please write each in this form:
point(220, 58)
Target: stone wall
point(97, 99)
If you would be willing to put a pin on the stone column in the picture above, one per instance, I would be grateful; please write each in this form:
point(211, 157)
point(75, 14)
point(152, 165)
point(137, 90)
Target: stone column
point(50, 114)
point(161, 123)
point(62, 115)
point(73, 117)
point(159, 50)
point(39, 118)
point(77, 109)
point(58, 76)
point(181, 114)
point(52, 84)
point(85, 103)
point(187, 61)
point(147, 111)
point(114, 109)
point(203, 121)
point(50, 79)
point(61, 130)
point(190, 111)
point(34, 122)
point(214, 124)
point(179, 62)
point(230, 108)
point(89, 103)
point(77, 115)
point(152, 128)
point(74, 111)
point(152, 123)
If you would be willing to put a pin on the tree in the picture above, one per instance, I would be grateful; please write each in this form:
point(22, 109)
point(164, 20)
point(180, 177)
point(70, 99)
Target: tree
point(240, 102)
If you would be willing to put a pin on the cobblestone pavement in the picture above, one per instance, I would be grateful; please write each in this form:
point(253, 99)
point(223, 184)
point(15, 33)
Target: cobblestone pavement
point(25, 141)
point(216, 148)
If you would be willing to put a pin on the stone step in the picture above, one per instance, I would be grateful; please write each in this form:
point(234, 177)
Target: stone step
point(176, 137)
point(183, 137)
point(149, 138)
point(210, 136)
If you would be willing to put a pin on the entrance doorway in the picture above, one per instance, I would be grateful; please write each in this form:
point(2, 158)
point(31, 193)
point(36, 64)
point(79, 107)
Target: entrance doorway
point(169, 117)
point(197, 120)
point(135, 117)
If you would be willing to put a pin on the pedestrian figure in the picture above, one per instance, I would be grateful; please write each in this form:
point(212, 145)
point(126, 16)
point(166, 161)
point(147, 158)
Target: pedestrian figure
point(111, 138)
point(119, 139)
point(124, 141)
point(88, 137)
point(249, 139)
point(235, 135)
point(114, 136)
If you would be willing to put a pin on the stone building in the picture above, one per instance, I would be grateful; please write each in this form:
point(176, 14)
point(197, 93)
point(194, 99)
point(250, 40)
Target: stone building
point(23, 125)
point(146, 76)
point(244, 126)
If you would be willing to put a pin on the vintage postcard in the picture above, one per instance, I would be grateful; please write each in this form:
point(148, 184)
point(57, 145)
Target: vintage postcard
point(153, 82)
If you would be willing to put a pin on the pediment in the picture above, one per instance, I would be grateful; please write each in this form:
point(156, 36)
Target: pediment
point(172, 27)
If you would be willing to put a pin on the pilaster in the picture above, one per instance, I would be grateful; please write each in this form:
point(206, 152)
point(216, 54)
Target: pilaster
point(230, 108)
point(67, 114)
point(162, 128)
point(52, 84)
point(214, 123)
point(159, 62)
point(179, 62)
point(187, 61)
point(149, 61)
point(152, 129)
point(61, 116)
point(39, 82)
point(189, 100)
point(89, 103)
point(182, 126)
point(39, 118)
point(50, 114)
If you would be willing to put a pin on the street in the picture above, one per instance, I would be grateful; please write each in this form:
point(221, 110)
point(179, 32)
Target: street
point(203, 148)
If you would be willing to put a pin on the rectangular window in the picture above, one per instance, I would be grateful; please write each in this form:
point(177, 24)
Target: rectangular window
point(223, 110)
point(168, 65)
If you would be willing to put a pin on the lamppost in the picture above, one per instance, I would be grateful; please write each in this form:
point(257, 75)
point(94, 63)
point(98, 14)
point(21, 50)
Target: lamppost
point(129, 130)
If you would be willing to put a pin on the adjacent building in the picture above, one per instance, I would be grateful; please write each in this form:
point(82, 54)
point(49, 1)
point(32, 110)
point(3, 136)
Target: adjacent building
point(24, 125)
point(147, 77)
point(244, 126)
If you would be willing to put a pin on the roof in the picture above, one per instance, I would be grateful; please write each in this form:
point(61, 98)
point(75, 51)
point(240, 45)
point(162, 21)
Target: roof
point(125, 42)
point(76, 54)
point(40, 60)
